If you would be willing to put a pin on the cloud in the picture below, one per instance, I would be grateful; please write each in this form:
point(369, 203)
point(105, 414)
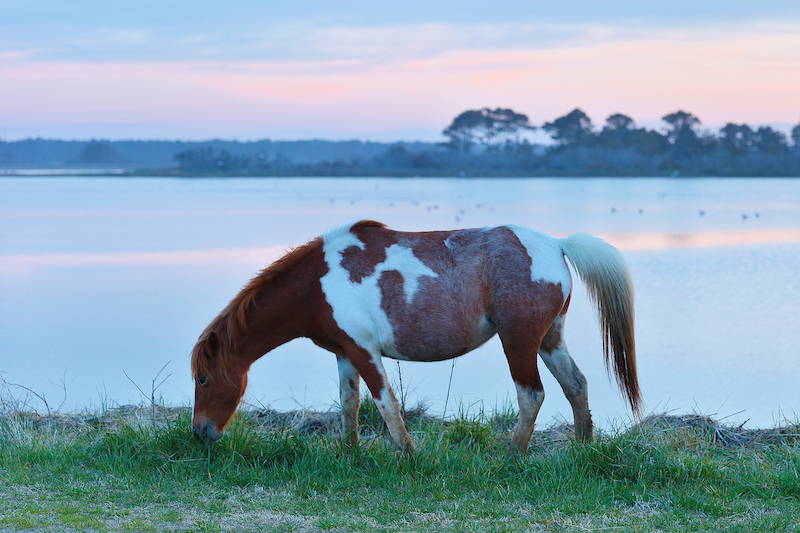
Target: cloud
point(246, 30)
point(351, 74)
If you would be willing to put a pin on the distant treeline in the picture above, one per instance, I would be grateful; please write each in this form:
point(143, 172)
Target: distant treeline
point(483, 142)
point(621, 148)
point(155, 155)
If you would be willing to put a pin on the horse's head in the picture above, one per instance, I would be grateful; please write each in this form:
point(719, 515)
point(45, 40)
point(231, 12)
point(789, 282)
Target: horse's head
point(220, 381)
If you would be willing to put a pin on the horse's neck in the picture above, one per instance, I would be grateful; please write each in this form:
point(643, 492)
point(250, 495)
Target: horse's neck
point(277, 316)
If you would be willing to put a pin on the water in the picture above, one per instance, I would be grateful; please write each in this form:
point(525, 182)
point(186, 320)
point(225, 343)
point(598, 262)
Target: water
point(104, 281)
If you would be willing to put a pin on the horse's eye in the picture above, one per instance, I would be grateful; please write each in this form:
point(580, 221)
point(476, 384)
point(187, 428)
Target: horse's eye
point(201, 381)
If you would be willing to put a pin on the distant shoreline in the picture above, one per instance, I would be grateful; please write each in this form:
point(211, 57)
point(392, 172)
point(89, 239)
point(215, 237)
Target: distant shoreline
point(39, 157)
point(128, 174)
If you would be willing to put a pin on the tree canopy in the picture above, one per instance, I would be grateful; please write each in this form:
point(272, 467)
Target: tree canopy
point(490, 127)
point(569, 129)
point(619, 122)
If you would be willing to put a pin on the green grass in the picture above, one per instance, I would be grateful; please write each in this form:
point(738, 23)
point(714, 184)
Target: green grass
point(136, 472)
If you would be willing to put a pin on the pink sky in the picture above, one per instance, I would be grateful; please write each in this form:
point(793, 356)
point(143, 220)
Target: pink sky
point(389, 86)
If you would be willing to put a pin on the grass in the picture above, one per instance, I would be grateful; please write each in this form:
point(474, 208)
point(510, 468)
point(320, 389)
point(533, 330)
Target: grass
point(140, 470)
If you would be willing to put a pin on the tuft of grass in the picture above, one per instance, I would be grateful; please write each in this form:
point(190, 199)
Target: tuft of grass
point(133, 470)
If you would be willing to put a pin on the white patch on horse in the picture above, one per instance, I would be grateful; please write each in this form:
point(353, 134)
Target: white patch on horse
point(357, 306)
point(406, 263)
point(530, 401)
point(547, 259)
point(343, 239)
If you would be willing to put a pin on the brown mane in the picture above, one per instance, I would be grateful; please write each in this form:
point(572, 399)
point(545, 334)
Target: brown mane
point(231, 323)
point(367, 224)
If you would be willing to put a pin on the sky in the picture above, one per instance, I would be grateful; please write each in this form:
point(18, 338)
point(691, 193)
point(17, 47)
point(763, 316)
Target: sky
point(247, 70)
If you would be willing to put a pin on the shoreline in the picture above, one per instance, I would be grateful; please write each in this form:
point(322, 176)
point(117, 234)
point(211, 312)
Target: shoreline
point(306, 422)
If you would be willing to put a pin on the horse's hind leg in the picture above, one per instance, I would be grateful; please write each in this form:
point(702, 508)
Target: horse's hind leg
point(349, 379)
point(521, 354)
point(554, 353)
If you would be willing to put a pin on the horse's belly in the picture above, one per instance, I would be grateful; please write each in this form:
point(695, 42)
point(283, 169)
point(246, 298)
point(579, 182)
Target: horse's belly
point(434, 342)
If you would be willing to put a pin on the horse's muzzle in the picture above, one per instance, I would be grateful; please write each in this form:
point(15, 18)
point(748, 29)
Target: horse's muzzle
point(205, 430)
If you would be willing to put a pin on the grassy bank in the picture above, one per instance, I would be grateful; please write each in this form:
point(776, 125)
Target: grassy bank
point(140, 470)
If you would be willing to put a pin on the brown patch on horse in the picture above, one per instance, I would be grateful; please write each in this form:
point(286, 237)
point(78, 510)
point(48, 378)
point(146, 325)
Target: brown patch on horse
point(361, 263)
point(231, 323)
point(446, 316)
point(525, 309)
point(523, 325)
point(555, 334)
point(552, 339)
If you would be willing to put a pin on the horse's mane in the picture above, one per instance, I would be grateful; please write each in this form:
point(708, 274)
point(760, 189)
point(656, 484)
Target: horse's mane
point(334, 233)
point(230, 324)
point(367, 224)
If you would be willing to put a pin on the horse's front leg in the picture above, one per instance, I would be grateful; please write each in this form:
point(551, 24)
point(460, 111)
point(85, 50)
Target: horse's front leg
point(350, 399)
point(389, 408)
point(370, 367)
point(530, 399)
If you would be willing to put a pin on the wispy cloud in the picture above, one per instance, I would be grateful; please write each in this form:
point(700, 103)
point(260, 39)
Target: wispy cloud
point(248, 31)
point(301, 73)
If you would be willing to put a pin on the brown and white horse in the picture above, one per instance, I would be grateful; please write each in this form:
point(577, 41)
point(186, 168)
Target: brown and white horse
point(365, 292)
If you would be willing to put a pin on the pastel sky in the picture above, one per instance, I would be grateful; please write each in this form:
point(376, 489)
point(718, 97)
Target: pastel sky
point(247, 69)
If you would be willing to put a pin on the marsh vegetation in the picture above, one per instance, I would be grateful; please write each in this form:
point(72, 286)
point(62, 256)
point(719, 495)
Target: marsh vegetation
point(138, 469)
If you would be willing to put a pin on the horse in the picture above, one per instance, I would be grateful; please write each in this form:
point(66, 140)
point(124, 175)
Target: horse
point(364, 291)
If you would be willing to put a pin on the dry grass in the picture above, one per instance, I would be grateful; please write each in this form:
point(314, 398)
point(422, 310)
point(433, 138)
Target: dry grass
point(137, 469)
point(686, 432)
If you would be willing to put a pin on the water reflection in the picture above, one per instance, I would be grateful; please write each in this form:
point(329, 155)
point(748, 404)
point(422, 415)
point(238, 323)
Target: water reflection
point(20, 264)
point(17, 264)
point(103, 276)
point(705, 239)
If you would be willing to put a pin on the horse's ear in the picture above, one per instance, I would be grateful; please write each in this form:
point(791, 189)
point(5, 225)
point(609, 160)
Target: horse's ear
point(212, 345)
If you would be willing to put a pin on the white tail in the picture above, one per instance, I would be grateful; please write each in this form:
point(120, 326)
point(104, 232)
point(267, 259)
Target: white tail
point(608, 281)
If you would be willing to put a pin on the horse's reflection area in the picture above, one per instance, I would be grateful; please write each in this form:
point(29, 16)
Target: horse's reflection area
point(364, 292)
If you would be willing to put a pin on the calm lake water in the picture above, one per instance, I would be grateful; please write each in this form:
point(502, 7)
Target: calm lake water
point(100, 278)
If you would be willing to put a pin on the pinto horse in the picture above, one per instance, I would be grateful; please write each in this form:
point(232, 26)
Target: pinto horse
point(363, 292)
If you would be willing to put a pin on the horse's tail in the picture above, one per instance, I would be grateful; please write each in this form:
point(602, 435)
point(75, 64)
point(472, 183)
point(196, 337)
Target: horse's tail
point(608, 281)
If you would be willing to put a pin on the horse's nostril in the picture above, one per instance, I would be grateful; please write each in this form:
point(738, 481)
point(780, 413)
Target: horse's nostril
point(198, 434)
